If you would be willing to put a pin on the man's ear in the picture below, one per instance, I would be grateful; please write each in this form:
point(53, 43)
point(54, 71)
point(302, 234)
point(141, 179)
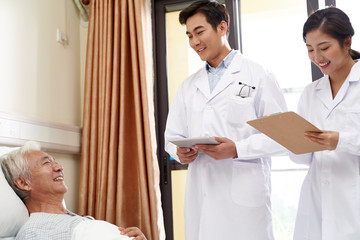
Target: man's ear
point(222, 27)
point(22, 183)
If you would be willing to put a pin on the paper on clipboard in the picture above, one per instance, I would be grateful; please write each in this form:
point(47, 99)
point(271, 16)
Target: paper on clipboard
point(288, 129)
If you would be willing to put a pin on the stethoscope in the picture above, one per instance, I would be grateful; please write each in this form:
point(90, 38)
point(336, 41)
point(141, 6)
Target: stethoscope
point(242, 92)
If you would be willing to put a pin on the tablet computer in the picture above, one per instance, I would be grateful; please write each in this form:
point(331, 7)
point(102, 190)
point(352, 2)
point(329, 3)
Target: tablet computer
point(189, 142)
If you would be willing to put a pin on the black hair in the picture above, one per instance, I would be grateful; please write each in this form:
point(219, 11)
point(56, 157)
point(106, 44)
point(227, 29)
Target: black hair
point(213, 11)
point(333, 22)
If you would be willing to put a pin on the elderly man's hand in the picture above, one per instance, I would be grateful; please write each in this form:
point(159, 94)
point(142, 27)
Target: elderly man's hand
point(132, 232)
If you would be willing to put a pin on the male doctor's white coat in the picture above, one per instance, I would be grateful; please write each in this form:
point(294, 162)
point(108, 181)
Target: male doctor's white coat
point(329, 207)
point(230, 198)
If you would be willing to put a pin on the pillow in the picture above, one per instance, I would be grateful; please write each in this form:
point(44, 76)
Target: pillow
point(13, 210)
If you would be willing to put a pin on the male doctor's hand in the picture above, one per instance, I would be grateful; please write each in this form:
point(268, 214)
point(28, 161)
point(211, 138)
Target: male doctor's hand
point(226, 149)
point(328, 139)
point(186, 155)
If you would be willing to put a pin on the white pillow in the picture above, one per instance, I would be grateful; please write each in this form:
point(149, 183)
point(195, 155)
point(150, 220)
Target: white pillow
point(13, 210)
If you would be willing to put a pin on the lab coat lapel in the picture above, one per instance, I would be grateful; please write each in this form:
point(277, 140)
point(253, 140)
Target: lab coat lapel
point(228, 76)
point(341, 94)
point(202, 83)
point(353, 76)
point(323, 92)
point(324, 89)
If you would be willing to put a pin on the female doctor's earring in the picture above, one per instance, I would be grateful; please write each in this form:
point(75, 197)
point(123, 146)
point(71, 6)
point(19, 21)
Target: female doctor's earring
point(245, 90)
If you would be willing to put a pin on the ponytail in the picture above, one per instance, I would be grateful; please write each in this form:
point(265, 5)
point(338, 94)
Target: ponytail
point(354, 54)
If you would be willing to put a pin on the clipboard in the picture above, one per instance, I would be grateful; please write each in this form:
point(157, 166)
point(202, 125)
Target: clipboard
point(288, 129)
point(189, 142)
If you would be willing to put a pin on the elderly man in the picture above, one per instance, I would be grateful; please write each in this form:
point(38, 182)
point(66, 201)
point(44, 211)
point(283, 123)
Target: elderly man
point(38, 180)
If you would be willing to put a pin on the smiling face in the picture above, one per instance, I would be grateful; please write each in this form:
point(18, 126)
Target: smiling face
point(47, 176)
point(327, 53)
point(210, 45)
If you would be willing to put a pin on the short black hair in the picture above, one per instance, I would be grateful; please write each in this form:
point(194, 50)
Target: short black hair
point(213, 11)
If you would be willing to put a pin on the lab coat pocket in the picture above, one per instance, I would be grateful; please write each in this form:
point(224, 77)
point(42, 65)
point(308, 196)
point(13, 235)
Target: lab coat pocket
point(240, 110)
point(249, 185)
point(196, 114)
point(353, 119)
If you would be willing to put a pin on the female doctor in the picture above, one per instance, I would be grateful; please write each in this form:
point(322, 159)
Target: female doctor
point(329, 206)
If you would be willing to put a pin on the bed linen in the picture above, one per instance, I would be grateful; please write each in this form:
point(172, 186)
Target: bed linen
point(97, 229)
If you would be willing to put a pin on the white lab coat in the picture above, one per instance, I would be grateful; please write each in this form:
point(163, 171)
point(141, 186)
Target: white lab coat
point(329, 207)
point(227, 199)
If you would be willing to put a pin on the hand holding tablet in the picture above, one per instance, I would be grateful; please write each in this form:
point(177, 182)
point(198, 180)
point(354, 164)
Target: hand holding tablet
point(189, 142)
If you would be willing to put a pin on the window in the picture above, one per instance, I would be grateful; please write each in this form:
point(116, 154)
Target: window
point(272, 36)
point(351, 8)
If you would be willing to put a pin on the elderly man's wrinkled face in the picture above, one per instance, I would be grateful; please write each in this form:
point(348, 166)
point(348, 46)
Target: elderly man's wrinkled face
point(47, 176)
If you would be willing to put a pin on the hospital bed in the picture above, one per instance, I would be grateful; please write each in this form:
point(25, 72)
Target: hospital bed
point(13, 214)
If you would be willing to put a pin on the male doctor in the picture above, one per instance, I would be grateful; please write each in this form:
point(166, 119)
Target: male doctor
point(228, 185)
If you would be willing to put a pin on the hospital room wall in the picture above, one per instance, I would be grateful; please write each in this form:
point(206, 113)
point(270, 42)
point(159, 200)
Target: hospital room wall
point(39, 77)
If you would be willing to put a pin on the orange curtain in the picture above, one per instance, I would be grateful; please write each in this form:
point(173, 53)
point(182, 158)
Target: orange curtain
point(119, 179)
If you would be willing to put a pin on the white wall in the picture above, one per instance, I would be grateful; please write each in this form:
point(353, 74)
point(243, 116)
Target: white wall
point(40, 78)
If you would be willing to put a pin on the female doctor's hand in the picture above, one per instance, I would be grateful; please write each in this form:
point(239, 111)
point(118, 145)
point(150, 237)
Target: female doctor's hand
point(226, 149)
point(328, 139)
point(186, 155)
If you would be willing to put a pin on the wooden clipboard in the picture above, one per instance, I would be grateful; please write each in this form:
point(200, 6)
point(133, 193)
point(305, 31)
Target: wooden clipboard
point(288, 129)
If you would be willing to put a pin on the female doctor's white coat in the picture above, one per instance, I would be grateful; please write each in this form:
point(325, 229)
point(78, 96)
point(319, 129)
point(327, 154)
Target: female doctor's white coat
point(227, 199)
point(329, 207)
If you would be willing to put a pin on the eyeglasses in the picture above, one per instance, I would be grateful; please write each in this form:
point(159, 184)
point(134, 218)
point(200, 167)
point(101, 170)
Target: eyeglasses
point(245, 90)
